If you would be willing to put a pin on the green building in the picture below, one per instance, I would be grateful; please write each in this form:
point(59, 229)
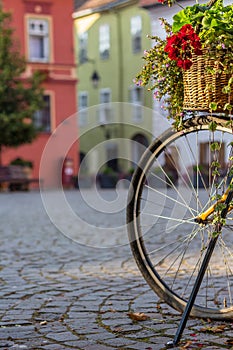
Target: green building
point(115, 116)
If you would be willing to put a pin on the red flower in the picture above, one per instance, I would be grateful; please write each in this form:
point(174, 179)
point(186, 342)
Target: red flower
point(186, 29)
point(181, 45)
point(198, 51)
point(173, 55)
point(185, 64)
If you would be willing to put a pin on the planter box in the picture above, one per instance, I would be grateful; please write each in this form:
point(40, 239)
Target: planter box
point(107, 180)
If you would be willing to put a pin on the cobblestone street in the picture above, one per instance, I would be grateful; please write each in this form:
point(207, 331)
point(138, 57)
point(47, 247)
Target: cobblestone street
point(74, 290)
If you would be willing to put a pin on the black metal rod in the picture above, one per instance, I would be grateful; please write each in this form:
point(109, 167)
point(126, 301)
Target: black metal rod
point(201, 274)
point(195, 290)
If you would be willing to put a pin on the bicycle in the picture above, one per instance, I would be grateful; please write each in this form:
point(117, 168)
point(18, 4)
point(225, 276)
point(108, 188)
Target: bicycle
point(180, 227)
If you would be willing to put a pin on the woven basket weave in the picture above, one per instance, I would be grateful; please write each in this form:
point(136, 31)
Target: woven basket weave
point(201, 87)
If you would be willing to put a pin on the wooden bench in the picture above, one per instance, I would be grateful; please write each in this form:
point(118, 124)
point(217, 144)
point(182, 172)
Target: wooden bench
point(15, 178)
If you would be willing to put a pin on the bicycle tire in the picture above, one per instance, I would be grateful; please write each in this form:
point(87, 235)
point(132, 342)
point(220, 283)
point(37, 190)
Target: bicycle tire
point(156, 202)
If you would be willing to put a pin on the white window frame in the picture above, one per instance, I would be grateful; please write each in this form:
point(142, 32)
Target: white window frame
point(82, 108)
point(136, 33)
point(43, 117)
point(38, 39)
point(105, 109)
point(83, 47)
point(104, 41)
point(137, 98)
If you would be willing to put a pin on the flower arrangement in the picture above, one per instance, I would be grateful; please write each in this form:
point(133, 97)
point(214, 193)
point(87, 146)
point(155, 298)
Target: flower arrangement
point(180, 46)
point(199, 33)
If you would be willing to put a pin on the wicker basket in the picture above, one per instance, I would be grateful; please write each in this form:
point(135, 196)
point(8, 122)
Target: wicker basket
point(201, 87)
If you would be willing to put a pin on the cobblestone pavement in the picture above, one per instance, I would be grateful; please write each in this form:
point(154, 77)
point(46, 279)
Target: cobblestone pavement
point(58, 294)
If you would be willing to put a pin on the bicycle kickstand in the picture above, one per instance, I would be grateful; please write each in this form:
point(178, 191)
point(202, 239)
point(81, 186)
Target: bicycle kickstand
point(193, 294)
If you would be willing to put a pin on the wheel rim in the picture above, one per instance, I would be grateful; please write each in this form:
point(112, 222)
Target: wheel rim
point(168, 244)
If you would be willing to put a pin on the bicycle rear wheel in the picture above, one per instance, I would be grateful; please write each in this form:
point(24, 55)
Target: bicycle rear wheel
point(173, 183)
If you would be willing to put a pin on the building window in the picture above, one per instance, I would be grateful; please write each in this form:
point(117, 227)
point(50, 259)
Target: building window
point(82, 108)
point(105, 111)
point(104, 41)
point(38, 33)
point(137, 101)
point(136, 34)
point(83, 42)
point(42, 118)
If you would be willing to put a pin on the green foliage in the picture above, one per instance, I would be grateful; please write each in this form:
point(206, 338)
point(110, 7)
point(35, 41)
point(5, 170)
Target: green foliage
point(215, 146)
point(189, 15)
point(163, 75)
point(22, 162)
point(208, 21)
point(19, 97)
point(212, 126)
point(213, 22)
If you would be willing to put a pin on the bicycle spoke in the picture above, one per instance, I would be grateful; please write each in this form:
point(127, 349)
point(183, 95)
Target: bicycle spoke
point(165, 195)
point(182, 240)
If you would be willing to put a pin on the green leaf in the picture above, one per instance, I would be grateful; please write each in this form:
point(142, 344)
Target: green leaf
point(213, 106)
point(215, 146)
point(212, 126)
point(226, 89)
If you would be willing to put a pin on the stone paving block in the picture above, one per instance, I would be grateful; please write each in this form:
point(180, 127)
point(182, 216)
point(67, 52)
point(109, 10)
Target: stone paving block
point(52, 347)
point(110, 313)
point(48, 317)
point(118, 342)
point(117, 321)
point(96, 347)
point(80, 314)
point(17, 315)
point(82, 323)
point(220, 341)
point(61, 336)
point(78, 344)
point(99, 336)
point(53, 310)
point(6, 344)
point(18, 328)
point(20, 322)
point(165, 327)
point(131, 328)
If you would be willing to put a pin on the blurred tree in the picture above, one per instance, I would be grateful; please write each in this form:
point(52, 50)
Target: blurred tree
point(20, 97)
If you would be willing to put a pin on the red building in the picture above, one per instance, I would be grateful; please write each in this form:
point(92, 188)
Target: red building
point(45, 31)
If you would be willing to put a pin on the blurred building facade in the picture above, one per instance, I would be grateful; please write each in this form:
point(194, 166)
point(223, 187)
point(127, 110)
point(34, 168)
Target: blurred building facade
point(115, 119)
point(45, 31)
